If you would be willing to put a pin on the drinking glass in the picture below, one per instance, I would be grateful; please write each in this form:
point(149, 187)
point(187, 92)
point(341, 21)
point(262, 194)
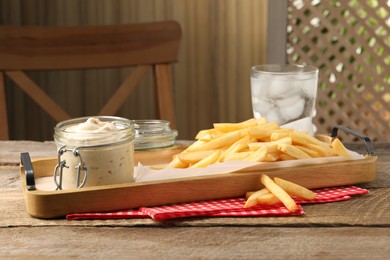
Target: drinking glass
point(285, 94)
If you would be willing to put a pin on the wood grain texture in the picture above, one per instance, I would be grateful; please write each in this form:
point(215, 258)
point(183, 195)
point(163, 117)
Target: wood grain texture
point(196, 243)
point(222, 39)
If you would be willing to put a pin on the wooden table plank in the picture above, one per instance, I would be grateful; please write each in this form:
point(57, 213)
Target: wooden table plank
point(196, 243)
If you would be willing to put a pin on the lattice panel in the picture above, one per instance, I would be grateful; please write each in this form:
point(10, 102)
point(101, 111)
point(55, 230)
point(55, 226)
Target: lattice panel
point(349, 41)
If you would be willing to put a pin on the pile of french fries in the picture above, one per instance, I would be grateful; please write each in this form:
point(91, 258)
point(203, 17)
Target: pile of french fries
point(278, 191)
point(254, 140)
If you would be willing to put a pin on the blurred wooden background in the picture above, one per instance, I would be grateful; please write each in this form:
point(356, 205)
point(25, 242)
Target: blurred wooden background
point(222, 39)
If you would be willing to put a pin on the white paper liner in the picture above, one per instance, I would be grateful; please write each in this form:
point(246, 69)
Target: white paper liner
point(145, 173)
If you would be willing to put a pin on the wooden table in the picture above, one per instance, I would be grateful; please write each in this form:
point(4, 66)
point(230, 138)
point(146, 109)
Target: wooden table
point(354, 229)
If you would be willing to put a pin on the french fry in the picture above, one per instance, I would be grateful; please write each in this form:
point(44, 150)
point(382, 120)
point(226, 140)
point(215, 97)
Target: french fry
point(270, 158)
point(304, 138)
point(263, 131)
point(309, 151)
point(194, 146)
point(176, 163)
point(286, 157)
point(268, 199)
point(238, 146)
point(323, 151)
point(194, 157)
point(293, 151)
point(258, 156)
point(295, 189)
point(238, 156)
point(340, 148)
point(224, 140)
point(279, 134)
point(271, 146)
point(208, 160)
point(281, 194)
point(202, 133)
point(252, 198)
point(228, 127)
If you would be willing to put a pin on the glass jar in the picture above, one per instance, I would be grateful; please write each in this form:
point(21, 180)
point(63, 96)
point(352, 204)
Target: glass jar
point(94, 151)
point(153, 134)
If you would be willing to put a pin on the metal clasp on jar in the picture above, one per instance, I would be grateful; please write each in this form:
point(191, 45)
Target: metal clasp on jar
point(62, 163)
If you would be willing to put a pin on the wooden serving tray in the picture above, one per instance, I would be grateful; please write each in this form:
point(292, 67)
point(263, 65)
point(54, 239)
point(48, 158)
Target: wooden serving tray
point(52, 204)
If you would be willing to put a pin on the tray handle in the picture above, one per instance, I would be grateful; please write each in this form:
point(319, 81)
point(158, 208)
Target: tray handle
point(29, 171)
point(367, 141)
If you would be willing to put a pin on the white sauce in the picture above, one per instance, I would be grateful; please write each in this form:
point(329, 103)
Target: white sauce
point(93, 125)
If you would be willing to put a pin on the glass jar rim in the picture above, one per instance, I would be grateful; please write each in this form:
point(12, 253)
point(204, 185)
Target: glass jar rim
point(153, 134)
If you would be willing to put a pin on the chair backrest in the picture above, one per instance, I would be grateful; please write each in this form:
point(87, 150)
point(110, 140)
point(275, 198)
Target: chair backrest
point(350, 45)
point(142, 46)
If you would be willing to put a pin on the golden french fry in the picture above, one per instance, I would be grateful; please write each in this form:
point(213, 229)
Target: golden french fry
point(281, 194)
point(194, 146)
point(158, 167)
point(286, 157)
point(263, 131)
point(228, 127)
point(268, 199)
point(224, 140)
point(194, 157)
point(202, 133)
point(261, 120)
point(252, 199)
point(279, 134)
point(309, 151)
point(295, 189)
point(303, 138)
point(270, 158)
point(248, 194)
point(212, 158)
point(271, 146)
point(323, 151)
point(340, 148)
point(238, 146)
point(293, 151)
point(238, 156)
point(176, 163)
point(258, 156)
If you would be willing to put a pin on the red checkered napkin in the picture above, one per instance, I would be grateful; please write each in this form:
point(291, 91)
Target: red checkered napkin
point(333, 194)
point(223, 208)
point(217, 208)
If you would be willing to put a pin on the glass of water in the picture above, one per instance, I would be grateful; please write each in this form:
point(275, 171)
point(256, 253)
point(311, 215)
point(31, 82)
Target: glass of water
point(285, 94)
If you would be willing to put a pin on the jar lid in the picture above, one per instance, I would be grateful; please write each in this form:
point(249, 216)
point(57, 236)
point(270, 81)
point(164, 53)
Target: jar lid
point(153, 134)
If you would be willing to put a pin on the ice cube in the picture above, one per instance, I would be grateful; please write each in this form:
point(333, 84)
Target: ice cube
point(309, 88)
point(257, 88)
point(287, 101)
point(281, 89)
point(274, 116)
point(261, 106)
point(293, 111)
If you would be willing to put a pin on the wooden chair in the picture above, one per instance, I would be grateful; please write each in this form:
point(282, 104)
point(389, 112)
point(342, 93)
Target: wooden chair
point(142, 46)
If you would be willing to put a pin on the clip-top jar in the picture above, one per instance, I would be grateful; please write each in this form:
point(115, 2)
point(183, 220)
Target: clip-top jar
point(94, 151)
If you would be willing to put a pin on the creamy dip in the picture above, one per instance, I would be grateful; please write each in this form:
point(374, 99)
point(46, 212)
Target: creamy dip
point(93, 125)
point(106, 146)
